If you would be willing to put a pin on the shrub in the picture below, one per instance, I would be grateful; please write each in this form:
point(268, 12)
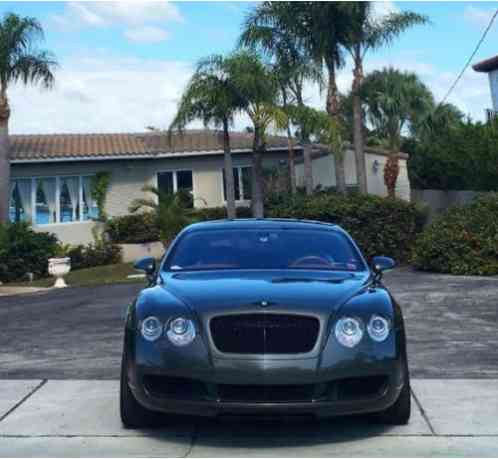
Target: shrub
point(96, 254)
point(380, 226)
point(133, 228)
point(464, 240)
point(218, 213)
point(22, 250)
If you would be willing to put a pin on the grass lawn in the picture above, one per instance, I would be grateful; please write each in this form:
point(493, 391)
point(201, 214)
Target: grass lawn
point(100, 275)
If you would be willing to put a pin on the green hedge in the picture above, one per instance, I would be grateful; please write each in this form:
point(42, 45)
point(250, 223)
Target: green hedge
point(22, 250)
point(379, 226)
point(462, 241)
point(133, 228)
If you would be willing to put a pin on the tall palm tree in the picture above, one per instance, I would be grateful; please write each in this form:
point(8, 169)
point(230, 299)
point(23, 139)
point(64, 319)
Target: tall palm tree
point(211, 96)
point(20, 62)
point(366, 32)
point(257, 85)
point(319, 29)
point(394, 102)
point(292, 68)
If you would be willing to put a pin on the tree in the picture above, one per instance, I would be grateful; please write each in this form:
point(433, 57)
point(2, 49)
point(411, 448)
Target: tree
point(258, 88)
point(394, 102)
point(20, 61)
point(212, 97)
point(318, 29)
point(291, 66)
point(365, 32)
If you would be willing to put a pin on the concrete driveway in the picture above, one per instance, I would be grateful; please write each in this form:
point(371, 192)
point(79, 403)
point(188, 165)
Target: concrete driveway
point(59, 361)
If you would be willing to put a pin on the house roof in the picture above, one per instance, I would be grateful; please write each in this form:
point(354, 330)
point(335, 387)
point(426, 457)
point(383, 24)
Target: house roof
point(67, 147)
point(487, 65)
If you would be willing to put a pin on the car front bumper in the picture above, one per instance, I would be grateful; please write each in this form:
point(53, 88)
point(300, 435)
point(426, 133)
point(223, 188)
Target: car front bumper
point(338, 382)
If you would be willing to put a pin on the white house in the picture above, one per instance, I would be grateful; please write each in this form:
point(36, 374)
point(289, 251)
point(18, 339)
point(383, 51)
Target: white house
point(51, 175)
point(490, 66)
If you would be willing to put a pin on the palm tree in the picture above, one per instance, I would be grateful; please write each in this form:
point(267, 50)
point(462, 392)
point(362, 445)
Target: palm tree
point(21, 62)
point(258, 87)
point(168, 209)
point(291, 66)
point(212, 97)
point(365, 33)
point(319, 29)
point(394, 102)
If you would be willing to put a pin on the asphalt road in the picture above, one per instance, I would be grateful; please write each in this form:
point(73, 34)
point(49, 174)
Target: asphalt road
point(76, 333)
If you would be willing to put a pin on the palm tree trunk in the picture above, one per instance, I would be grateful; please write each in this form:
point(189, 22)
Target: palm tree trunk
point(359, 150)
point(257, 175)
point(292, 163)
point(4, 158)
point(229, 182)
point(391, 172)
point(333, 110)
point(307, 168)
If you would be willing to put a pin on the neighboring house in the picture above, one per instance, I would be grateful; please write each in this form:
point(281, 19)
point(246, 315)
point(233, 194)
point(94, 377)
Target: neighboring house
point(490, 66)
point(375, 159)
point(51, 175)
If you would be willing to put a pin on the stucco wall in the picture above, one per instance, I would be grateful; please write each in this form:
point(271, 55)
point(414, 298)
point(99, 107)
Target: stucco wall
point(324, 174)
point(493, 83)
point(129, 176)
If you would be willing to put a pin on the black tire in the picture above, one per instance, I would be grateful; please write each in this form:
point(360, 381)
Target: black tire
point(134, 415)
point(398, 413)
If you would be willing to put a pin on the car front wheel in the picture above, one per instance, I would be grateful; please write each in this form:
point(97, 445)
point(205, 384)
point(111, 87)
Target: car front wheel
point(134, 415)
point(399, 412)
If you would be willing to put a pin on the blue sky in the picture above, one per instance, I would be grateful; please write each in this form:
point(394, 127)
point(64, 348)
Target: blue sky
point(123, 65)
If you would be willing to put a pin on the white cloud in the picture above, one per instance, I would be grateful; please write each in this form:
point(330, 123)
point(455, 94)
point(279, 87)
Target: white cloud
point(134, 13)
point(146, 34)
point(384, 8)
point(478, 16)
point(102, 94)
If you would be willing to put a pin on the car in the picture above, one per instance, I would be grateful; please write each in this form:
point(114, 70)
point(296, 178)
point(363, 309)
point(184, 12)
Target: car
point(264, 317)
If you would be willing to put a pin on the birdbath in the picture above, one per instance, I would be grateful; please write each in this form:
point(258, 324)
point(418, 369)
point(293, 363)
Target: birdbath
point(58, 268)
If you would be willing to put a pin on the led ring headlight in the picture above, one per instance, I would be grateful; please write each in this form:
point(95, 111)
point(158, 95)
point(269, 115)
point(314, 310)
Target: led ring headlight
point(181, 331)
point(151, 328)
point(378, 328)
point(349, 331)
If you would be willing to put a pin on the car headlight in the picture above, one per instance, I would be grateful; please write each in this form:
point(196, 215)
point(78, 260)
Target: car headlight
point(349, 331)
point(378, 328)
point(181, 331)
point(152, 328)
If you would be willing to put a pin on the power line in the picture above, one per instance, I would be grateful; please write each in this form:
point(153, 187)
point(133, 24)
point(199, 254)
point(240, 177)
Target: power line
point(470, 58)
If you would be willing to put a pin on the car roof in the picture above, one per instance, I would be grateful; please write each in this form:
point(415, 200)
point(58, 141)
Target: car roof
point(254, 223)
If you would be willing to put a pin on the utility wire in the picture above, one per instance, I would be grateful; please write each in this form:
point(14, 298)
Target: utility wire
point(470, 58)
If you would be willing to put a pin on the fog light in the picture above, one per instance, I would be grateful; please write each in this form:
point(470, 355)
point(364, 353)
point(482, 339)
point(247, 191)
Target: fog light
point(151, 328)
point(378, 328)
point(181, 331)
point(349, 331)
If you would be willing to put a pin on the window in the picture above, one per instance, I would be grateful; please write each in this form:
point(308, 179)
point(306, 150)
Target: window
point(242, 177)
point(170, 182)
point(46, 200)
point(244, 248)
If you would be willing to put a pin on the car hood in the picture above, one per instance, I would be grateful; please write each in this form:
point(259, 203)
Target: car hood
point(227, 291)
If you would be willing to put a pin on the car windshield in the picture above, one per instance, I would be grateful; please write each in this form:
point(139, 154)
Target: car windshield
point(264, 249)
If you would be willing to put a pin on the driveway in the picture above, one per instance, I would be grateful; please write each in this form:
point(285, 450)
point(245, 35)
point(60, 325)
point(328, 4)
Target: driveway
point(56, 349)
point(76, 333)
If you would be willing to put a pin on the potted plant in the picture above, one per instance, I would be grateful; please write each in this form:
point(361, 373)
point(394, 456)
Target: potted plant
point(60, 265)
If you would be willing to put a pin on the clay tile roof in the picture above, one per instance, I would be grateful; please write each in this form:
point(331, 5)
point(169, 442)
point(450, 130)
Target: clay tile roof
point(487, 65)
point(88, 146)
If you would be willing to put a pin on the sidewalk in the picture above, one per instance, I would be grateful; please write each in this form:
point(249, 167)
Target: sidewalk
point(10, 291)
point(81, 418)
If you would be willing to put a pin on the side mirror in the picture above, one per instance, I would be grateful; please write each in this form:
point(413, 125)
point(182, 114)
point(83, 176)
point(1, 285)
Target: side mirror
point(147, 264)
point(381, 264)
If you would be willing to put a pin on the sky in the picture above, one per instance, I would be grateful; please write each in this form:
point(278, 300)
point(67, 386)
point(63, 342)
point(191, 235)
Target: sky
point(123, 65)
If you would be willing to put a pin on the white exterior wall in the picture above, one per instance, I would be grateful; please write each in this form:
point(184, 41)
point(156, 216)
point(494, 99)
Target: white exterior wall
point(129, 176)
point(493, 84)
point(324, 174)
